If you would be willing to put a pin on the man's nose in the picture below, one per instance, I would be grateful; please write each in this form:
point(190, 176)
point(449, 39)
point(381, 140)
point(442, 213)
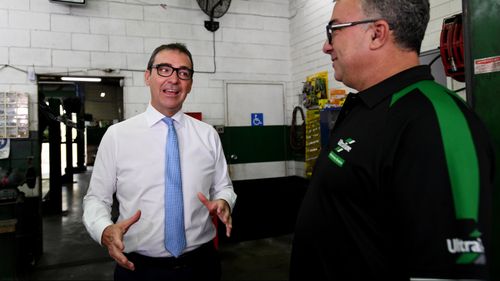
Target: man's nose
point(327, 47)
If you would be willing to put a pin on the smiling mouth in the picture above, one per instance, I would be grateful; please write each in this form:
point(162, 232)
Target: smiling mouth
point(170, 92)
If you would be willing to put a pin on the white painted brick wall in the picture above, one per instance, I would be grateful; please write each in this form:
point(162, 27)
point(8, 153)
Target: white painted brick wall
point(137, 79)
point(4, 56)
point(126, 11)
point(137, 95)
point(126, 44)
point(142, 28)
point(12, 76)
point(107, 26)
point(94, 8)
point(252, 43)
point(29, 56)
point(15, 5)
point(172, 15)
point(51, 40)
point(184, 31)
point(137, 61)
point(258, 40)
point(14, 37)
point(3, 18)
point(71, 59)
point(88, 42)
point(29, 20)
point(41, 6)
point(132, 109)
point(307, 35)
point(440, 9)
point(108, 60)
point(70, 24)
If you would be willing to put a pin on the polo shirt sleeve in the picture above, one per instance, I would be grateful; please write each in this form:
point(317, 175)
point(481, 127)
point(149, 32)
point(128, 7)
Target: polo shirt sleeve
point(434, 188)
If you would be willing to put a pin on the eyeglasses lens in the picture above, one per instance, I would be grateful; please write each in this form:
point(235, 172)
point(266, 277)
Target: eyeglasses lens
point(167, 71)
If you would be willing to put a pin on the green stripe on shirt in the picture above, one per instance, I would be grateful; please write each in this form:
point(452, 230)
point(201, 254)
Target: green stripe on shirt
point(460, 153)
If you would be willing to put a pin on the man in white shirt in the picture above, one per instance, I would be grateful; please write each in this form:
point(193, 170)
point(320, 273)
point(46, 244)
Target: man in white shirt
point(131, 163)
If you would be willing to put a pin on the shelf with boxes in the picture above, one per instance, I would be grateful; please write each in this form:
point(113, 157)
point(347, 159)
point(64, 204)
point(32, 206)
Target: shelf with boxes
point(14, 115)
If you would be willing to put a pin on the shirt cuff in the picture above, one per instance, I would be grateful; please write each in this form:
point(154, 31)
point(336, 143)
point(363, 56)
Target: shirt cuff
point(98, 229)
point(229, 197)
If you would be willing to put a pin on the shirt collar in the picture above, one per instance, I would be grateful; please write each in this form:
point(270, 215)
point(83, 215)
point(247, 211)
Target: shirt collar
point(379, 92)
point(153, 116)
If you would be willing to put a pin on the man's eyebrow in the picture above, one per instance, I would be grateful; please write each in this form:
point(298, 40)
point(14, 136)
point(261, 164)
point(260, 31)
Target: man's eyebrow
point(168, 64)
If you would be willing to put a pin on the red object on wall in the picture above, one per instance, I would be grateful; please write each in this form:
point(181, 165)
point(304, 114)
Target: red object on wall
point(197, 115)
point(452, 47)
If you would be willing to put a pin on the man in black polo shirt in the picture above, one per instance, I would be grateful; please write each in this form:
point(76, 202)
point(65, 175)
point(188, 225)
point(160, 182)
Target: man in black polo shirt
point(403, 188)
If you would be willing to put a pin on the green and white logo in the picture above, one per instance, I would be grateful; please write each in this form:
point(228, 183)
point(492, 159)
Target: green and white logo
point(342, 146)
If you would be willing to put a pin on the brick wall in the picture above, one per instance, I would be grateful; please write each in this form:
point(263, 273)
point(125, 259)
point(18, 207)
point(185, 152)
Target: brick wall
point(252, 44)
point(258, 41)
point(307, 32)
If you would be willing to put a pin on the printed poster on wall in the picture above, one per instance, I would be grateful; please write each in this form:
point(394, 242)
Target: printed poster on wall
point(315, 90)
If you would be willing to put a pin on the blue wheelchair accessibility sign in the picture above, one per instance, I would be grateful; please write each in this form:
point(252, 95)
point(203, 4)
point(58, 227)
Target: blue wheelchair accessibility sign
point(257, 119)
point(3, 143)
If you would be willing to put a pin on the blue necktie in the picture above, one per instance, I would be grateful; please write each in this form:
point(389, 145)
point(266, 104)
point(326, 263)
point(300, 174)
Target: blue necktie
point(175, 238)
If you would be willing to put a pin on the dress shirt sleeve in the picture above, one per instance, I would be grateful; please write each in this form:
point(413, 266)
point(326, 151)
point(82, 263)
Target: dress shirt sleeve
point(222, 187)
point(97, 203)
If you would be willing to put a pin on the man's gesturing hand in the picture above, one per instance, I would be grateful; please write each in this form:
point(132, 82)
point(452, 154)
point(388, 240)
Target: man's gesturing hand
point(220, 208)
point(112, 238)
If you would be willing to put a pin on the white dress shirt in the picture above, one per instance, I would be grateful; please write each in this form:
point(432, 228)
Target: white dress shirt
point(131, 160)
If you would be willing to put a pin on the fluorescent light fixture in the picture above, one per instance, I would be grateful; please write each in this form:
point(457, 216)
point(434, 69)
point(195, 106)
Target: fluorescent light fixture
point(82, 79)
point(79, 2)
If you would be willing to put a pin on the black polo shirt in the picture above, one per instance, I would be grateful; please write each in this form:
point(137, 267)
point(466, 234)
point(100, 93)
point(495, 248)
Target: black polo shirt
point(402, 190)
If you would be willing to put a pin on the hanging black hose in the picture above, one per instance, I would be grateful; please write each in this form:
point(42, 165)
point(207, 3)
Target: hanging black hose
point(298, 132)
point(434, 59)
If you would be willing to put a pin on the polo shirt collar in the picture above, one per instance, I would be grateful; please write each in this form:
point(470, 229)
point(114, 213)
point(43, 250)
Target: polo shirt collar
point(153, 116)
point(379, 92)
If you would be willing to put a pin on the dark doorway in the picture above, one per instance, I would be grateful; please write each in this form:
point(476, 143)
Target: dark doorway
point(73, 116)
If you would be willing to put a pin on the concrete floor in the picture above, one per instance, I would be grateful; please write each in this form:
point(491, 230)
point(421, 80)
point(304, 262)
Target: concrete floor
point(70, 254)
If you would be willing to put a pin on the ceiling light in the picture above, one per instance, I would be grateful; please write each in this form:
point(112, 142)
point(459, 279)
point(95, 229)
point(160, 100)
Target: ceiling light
point(82, 79)
point(80, 2)
point(103, 94)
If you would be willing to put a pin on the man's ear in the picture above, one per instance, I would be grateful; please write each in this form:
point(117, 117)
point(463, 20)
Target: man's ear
point(380, 34)
point(147, 74)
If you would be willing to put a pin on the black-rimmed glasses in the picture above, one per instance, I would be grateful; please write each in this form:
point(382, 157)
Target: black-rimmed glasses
point(332, 26)
point(166, 70)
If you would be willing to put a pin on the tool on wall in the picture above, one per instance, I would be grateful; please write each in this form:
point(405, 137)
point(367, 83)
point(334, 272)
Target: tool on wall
point(214, 9)
point(298, 132)
point(452, 47)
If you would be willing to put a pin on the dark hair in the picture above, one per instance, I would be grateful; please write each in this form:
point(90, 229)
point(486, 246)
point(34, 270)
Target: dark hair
point(407, 18)
point(173, 46)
